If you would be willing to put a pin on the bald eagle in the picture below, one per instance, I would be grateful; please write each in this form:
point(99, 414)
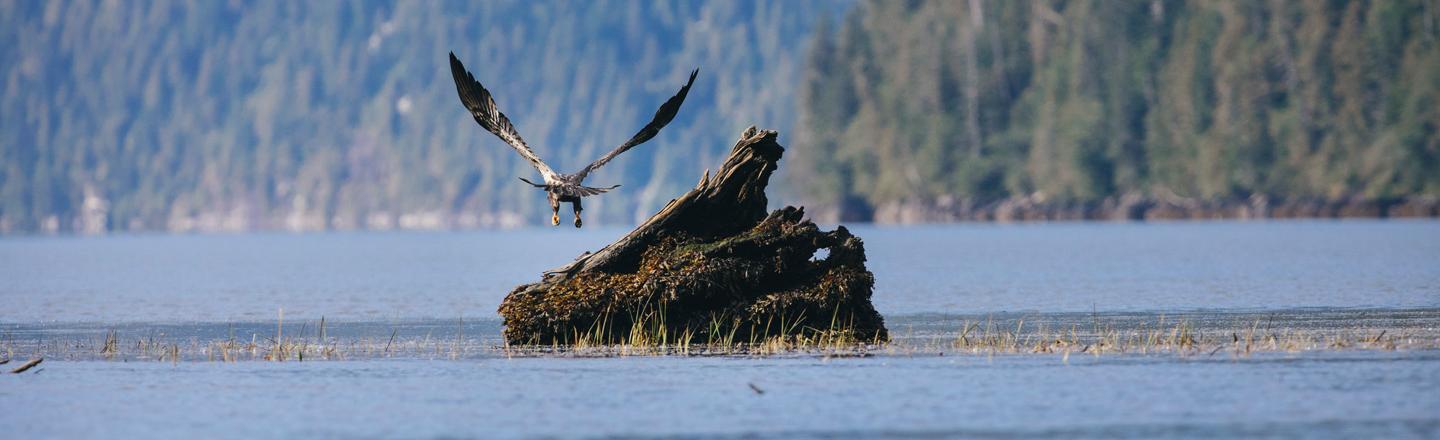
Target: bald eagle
point(558, 187)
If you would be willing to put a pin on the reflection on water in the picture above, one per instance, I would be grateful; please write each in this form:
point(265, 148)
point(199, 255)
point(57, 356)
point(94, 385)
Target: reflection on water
point(1077, 267)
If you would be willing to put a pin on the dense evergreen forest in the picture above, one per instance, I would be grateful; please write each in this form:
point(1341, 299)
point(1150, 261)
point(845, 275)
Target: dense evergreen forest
point(936, 110)
point(234, 115)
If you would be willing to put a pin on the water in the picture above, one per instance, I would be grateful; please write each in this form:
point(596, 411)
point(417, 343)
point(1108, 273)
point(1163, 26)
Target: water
point(1385, 396)
point(1064, 267)
point(1155, 267)
point(435, 294)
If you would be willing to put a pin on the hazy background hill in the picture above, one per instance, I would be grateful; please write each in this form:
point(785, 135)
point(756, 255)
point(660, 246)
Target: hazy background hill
point(210, 115)
point(236, 115)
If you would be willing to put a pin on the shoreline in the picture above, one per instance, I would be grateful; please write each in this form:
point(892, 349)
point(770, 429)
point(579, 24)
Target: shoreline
point(1031, 208)
point(1130, 207)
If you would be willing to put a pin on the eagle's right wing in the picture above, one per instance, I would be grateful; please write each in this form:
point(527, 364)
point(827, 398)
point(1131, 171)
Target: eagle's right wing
point(662, 117)
point(482, 107)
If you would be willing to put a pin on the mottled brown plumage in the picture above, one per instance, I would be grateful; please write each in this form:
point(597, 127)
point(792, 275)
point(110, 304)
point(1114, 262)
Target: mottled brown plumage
point(558, 187)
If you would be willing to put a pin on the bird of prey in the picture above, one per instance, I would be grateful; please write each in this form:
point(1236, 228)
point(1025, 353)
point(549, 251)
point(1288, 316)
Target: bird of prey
point(558, 187)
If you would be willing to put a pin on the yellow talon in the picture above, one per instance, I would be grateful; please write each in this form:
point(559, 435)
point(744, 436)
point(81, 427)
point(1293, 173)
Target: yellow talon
point(554, 219)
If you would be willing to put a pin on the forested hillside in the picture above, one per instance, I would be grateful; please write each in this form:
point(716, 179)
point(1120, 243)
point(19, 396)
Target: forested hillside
point(931, 110)
point(233, 115)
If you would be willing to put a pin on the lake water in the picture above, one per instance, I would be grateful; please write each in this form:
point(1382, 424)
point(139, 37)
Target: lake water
point(1061, 267)
point(60, 296)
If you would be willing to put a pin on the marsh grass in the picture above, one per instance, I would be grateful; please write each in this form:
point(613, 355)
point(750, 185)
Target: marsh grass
point(7, 344)
point(1181, 337)
point(649, 333)
point(646, 332)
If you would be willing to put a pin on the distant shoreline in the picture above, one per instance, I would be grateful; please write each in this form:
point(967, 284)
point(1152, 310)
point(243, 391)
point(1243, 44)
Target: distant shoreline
point(1009, 210)
point(1133, 208)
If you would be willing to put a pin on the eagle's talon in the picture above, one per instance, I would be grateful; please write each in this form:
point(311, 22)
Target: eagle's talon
point(577, 221)
point(554, 219)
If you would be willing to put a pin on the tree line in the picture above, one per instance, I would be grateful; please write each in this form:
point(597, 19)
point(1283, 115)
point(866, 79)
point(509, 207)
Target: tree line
point(925, 103)
point(218, 115)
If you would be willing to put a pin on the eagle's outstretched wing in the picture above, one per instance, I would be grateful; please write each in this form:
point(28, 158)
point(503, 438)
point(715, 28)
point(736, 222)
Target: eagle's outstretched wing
point(663, 116)
point(482, 107)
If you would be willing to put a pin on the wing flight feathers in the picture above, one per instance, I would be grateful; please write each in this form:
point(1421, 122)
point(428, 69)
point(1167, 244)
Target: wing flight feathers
point(662, 117)
point(482, 106)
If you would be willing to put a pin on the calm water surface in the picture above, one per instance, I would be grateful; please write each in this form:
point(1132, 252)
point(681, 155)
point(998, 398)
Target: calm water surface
point(1302, 275)
point(1064, 267)
point(1328, 395)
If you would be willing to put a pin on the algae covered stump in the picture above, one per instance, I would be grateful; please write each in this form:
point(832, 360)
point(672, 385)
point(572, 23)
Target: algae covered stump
point(711, 267)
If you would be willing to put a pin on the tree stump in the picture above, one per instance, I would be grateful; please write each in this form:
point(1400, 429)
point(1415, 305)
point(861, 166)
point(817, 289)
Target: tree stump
point(710, 266)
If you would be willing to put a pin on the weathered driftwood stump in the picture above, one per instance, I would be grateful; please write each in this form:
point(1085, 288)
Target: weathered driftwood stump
point(710, 266)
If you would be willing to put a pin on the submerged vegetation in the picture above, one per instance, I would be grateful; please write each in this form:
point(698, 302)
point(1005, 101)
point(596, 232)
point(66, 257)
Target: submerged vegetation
point(1185, 337)
point(1182, 338)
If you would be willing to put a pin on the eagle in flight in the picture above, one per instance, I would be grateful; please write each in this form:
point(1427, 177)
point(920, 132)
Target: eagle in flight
point(558, 187)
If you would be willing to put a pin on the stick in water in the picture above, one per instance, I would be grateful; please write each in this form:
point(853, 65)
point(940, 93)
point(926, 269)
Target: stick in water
point(28, 365)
